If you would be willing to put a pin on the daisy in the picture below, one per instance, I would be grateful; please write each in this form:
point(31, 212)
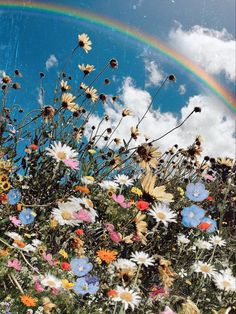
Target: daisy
point(51, 282)
point(67, 102)
point(123, 180)
point(216, 240)
point(64, 86)
point(203, 245)
point(163, 213)
point(91, 93)
point(128, 297)
point(84, 42)
point(204, 268)
point(142, 258)
point(182, 239)
point(64, 215)
point(225, 281)
point(125, 268)
point(87, 180)
point(86, 68)
point(108, 185)
point(61, 152)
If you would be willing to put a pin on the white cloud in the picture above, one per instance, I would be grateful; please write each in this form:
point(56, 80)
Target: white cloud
point(216, 124)
point(51, 62)
point(182, 89)
point(213, 50)
point(40, 98)
point(154, 74)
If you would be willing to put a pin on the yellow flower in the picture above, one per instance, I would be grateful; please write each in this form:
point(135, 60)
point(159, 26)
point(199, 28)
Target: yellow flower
point(91, 93)
point(63, 253)
point(5, 186)
point(66, 284)
point(92, 151)
point(181, 191)
point(3, 178)
point(136, 191)
point(86, 68)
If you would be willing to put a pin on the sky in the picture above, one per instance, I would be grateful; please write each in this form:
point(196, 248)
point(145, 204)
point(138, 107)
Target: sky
point(203, 31)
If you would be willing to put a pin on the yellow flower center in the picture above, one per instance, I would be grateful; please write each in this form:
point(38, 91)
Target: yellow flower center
point(61, 155)
point(51, 283)
point(66, 215)
point(161, 215)
point(205, 269)
point(226, 284)
point(126, 296)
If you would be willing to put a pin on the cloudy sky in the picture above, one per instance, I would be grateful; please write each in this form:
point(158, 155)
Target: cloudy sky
point(203, 31)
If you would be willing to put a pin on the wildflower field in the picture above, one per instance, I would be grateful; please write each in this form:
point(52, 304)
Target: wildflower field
point(91, 223)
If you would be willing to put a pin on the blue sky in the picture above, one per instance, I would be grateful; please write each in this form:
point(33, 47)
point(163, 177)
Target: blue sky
point(203, 30)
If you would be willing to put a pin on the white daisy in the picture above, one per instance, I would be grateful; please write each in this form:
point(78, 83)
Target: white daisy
point(216, 240)
point(123, 263)
point(87, 180)
point(225, 281)
point(182, 239)
point(123, 180)
point(142, 258)
point(108, 185)
point(162, 213)
point(14, 236)
point(64, 215)
point(128, 297)
point(204, 268)
point(51, 282)
point(203, 245)
point(61, 152)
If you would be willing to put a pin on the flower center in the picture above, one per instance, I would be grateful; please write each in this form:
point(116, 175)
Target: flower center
point(226, 284)
point(126, 296)
point(191, 214)
point(85, 287)
point(66, 215)
point(80, 268)
point(205, 269)
point(51, 283)
point(196, 193)
point(161, 215)
point(61, 155)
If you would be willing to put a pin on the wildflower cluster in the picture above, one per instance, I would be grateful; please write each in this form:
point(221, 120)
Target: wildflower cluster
point(90, 223)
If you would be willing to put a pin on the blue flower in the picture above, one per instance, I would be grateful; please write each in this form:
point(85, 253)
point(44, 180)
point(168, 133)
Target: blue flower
point(196, 192)
point(192, 216)
point(81, 266)
point(27, 216)
point(86, 285)
point(14, 196)
point(208, 224)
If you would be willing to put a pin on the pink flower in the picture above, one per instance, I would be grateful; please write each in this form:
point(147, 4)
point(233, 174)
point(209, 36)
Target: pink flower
point(54, 291)
point(157, 290)
point(48, 258)
point(72, 163)
point(109, 227)
point(120, 199)
point(167, 310)
point(209, 177)
point(83, 215)
point(38, 287)
point(15, 263)
point(16, 222)
point(115, 236)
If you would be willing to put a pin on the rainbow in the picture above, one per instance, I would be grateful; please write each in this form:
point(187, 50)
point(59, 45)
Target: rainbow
point(224, 94)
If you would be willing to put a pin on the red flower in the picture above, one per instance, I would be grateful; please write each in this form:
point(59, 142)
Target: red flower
point(79, 232)
point(204, 225)
point(3, 198)
point(34, 147)
point(142, 205)
point(65, 266)
point(210, 199)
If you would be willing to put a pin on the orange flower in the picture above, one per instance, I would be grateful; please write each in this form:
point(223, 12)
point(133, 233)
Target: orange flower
point(107, 256)
point(19, 207)
point(82, 189)
point(19, 243)
point(65, 266)
point(112, 293)
point(28, 301)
